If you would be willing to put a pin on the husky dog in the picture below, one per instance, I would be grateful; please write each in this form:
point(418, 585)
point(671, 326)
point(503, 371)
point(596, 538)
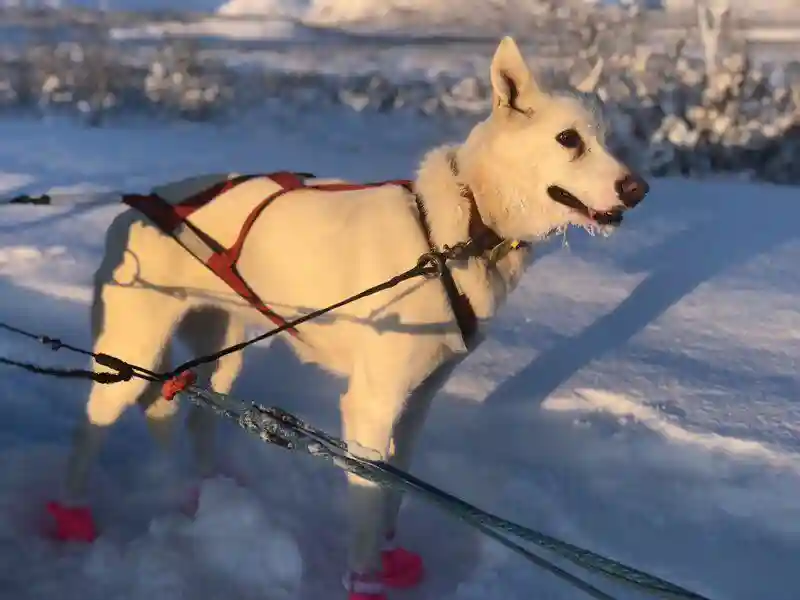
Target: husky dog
point(536, 164)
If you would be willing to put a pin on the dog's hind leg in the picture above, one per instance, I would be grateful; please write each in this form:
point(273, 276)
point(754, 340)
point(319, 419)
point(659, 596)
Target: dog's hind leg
point(134, 325)
point(160, 413)
point(206, 331)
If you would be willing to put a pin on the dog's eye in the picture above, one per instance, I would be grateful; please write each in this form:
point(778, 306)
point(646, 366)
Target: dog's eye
point(571, 139)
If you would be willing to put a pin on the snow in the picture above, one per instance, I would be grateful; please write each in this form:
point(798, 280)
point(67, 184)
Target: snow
point(373, 11)
point(265, 8)
point(257, 29)
point(638, 396)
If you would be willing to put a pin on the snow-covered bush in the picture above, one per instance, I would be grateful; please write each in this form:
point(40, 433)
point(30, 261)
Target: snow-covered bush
point(59, 75)
point(670, 112)
point(83, 69)
point(178, 81)
point(736, 121)
point(670, 118)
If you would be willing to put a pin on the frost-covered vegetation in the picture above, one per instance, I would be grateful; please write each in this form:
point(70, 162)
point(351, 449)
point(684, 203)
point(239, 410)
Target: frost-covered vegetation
point(690, 108)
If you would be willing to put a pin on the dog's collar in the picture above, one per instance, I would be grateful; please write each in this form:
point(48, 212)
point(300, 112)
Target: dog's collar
point(483, 241)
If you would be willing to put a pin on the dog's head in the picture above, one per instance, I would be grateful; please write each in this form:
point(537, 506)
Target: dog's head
point(541, 158)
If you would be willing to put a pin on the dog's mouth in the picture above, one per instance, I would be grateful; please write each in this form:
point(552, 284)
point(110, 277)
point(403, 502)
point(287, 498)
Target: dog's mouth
point(611, 217)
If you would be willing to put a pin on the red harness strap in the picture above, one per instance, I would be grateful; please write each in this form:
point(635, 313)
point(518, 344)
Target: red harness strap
point(172, 220)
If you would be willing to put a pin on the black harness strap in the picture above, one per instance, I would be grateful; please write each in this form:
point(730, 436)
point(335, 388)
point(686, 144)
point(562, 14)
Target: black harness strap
point(482, 239)
point(462, 308)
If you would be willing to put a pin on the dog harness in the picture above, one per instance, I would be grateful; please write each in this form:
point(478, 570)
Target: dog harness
point(172, 219)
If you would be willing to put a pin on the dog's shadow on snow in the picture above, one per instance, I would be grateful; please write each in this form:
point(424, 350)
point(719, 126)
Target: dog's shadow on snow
point(728, 234)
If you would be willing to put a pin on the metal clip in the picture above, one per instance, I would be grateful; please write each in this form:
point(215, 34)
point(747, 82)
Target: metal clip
point(435, 261)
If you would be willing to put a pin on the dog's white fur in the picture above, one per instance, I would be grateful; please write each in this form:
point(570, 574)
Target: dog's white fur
point(312, 248)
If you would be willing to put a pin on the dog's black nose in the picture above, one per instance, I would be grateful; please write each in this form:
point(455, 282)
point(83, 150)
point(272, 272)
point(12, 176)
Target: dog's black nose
point(631, 189)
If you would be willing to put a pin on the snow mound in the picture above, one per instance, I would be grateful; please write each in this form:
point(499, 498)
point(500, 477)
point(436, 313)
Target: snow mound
point(212, 27)
point(379, 15)
point(265, 8)
point(146, 549)
point(230, 536)
point(233, 533)
point(348, 11)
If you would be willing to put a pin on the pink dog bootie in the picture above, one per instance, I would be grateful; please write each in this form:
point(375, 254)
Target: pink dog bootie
point(72, 524)
point(401, 568)
point(363, 586)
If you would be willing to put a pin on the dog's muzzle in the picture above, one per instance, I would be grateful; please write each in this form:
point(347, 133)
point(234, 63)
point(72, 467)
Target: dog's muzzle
point(562, 196)
point(631, 190)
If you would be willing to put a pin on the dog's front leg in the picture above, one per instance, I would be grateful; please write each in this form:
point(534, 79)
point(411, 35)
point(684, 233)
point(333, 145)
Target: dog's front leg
point(405, 433)
point(382, 416)
point(370, 428)
point(370, 408)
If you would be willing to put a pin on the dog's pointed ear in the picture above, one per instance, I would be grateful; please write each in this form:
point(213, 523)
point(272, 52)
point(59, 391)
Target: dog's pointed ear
point(512, 82)
point(590, 82)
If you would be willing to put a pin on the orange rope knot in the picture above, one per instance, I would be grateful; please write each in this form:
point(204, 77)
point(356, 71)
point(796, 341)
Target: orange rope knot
point(177, 384)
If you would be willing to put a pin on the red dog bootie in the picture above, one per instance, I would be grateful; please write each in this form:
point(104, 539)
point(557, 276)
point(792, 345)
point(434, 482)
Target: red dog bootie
point(72, 524)
point(364, 586)
point(401, 568)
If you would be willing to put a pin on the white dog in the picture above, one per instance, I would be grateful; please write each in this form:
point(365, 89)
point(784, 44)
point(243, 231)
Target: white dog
point(537, 163)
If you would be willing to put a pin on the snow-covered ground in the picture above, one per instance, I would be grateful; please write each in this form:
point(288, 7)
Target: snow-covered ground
point(639, 395)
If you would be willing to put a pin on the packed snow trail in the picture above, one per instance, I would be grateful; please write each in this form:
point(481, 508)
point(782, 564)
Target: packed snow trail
point(637, 397)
